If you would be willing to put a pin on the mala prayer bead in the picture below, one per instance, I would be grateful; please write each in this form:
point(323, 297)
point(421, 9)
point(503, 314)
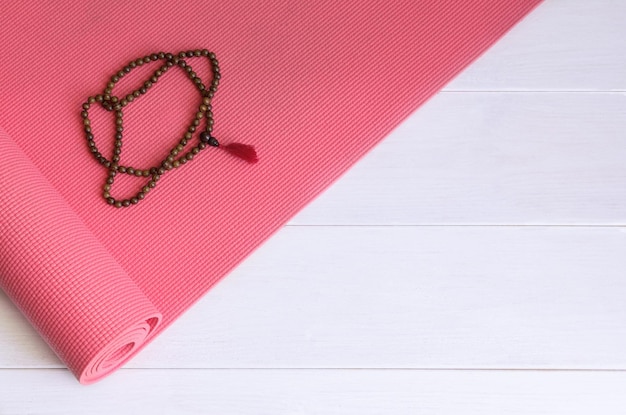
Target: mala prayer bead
point(177, 157)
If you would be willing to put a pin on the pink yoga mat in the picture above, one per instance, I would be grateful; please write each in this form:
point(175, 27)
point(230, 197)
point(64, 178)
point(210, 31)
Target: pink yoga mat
point(313, 85)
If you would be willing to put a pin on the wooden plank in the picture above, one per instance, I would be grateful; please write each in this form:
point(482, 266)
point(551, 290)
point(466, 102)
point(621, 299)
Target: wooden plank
point(490, 158)
point(563, 45)
point(398, 297)
point(275, 392)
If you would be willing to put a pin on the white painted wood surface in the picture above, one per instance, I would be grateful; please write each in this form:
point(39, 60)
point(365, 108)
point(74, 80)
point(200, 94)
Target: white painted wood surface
point(564, 45)
point(329, 392)
point(399, 297)
point(376, 298)
point(491, 158)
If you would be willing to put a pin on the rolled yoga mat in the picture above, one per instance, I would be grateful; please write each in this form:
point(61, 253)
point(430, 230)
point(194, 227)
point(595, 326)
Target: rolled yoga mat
point(312, 85)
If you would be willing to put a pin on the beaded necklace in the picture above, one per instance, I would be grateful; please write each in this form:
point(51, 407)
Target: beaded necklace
point(111, 102)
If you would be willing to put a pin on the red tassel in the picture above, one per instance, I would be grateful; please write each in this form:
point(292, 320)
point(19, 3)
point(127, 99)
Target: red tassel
point(243, 151)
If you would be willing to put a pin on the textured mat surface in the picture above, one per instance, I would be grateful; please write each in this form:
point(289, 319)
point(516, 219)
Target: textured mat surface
point(313, 85)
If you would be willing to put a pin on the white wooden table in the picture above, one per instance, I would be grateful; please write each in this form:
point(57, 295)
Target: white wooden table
point(495, 285)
